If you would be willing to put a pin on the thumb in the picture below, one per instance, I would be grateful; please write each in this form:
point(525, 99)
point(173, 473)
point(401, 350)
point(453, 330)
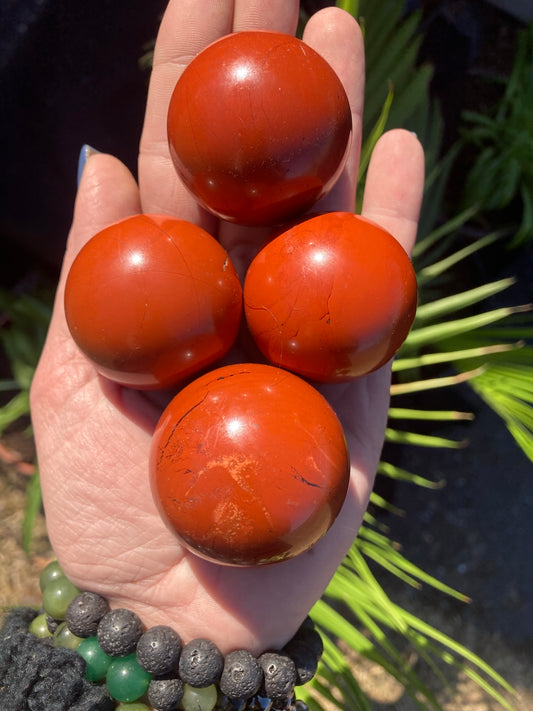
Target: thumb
point(107, 192)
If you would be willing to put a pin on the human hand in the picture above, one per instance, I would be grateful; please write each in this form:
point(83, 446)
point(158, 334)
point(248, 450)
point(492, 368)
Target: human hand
point(93, 437)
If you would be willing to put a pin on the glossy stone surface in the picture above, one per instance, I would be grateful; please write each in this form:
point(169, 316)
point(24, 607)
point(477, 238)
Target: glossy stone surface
point(249, 465)
point(278, 138)
point(126, 680)
point(50, 572)
point(152, 300)
point(57, 595)
point(39, 627)
point(96, 660)
point(203, 699)
point(63, 637)
point(332, 298)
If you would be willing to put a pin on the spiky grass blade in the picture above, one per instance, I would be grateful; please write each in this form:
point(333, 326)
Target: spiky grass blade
point(405, 413)
point(421, 440)
point(426, 274)
point(434, 383)
point(375, 134)
point(398, 474)
point(455, 302)
point(430, 335)
point(351, 6)
point(508, 390)
point(443, 357)
point(17, 407)
point(435, 237)
point(372, 542)
point(34, 500)
point(356, 587)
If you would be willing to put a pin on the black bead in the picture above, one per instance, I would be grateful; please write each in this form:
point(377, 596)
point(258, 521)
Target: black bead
point(51, 624)
point(84, 613)
point(279, 675)
point(165, 694)
point(300, 706)
point(226, 704)
point(242, 675)
point(304, 659)
point(283, 704)
point(311, 638)
point(261, 703)
point(201, 663)
point(158, 650)
point(307, 624)
point(118, 632)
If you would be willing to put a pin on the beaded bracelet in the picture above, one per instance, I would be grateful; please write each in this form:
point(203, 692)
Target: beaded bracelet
point(152, 668)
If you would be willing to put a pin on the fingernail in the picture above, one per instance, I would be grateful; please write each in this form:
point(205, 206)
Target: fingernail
point(85, 153)
point(414, 133)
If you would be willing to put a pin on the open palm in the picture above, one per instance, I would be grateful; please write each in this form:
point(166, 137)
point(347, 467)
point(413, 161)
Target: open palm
point(93, 437)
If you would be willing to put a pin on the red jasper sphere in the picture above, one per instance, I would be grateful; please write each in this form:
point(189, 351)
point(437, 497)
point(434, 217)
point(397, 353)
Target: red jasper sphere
point(249, 465)
point(151, 300)
point(259, 126)
point(332, 298)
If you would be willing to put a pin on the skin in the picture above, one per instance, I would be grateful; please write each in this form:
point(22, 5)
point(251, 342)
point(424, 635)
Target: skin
point(93, 437)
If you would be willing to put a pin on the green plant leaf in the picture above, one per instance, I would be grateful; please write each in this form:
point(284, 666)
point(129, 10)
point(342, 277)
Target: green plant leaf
point(435, 269)
point(442, 357)
point(375, 134)
point(455, 302)
point(404, 413)
point(421, 440)
point(17, 407)
point(32, 509)
point(433, 383)
point(428, 240)
point(395, 472)
point(351, 6)
point(430, 335)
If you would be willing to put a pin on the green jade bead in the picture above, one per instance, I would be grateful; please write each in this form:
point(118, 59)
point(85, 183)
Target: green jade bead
point(50, 572)
point(97, 662)
point(199, 699)
point(63, 637)
point(39, 628)
point(126, 680)
point(57, 595)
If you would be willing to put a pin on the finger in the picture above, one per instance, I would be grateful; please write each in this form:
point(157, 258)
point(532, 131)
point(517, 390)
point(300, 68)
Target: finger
point(395, 184)
point(275, 15)
point(335, 35)
point(187, 27)
point(107, 193)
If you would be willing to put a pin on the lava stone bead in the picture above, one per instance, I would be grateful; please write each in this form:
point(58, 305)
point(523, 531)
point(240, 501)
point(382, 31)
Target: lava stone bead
point(118, 632)
point(311, 638)
point(159, 649)
point(51, 624)
point(201, 663)
point(242, 675)
point(279, 673)
point(305, 661)
point(165, 694)
point(85, 612)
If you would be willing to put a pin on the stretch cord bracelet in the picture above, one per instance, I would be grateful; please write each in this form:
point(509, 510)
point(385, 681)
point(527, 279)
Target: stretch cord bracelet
point(141, 669)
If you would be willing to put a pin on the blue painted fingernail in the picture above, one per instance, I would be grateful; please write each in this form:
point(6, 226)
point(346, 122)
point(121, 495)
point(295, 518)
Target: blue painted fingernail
point(85, 153)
